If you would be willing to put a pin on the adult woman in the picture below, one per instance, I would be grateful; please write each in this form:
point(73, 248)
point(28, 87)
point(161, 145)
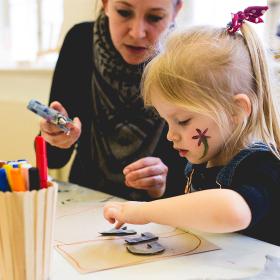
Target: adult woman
point(97, 78)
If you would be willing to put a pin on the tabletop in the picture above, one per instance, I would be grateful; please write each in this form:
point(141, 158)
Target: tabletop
point(239, 257)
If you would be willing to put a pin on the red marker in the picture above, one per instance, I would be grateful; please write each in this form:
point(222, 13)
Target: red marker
point(41, 160)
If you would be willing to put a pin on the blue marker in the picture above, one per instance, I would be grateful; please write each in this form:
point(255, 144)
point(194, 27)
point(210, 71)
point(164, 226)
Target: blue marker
point(4, 185)
point(49, 114)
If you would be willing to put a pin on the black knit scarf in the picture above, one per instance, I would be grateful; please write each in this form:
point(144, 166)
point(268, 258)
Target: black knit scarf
point(123, 130)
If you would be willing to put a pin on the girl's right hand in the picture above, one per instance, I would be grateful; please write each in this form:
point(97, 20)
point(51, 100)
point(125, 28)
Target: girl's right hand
point(56, 137)
point(130, 212)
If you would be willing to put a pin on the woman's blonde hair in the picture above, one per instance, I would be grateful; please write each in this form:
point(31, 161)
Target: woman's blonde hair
point(203, 68)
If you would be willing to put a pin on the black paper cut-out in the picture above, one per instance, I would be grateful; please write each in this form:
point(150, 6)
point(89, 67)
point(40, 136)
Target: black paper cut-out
point(118, 232)
point(151, 248)
point(145, 237)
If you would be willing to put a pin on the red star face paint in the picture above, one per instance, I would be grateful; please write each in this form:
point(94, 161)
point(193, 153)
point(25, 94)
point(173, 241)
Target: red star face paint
point(202, 138)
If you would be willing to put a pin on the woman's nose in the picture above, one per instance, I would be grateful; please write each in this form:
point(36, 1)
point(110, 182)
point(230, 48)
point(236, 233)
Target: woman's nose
point(137, 29)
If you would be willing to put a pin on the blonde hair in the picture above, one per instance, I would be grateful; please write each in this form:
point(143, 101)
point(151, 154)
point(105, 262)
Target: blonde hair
point(202, 68)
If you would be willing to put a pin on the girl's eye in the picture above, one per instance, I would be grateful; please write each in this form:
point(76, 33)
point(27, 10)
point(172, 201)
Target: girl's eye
point(154, 18)
point(183, 123)
point(124, 13)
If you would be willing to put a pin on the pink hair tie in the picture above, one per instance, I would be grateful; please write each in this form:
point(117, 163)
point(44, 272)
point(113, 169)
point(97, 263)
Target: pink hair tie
point(252, 14)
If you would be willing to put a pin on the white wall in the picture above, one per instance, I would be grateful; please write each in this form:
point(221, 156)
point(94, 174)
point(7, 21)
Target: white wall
point(77, 11)
point(18, 125)
point(20, 83)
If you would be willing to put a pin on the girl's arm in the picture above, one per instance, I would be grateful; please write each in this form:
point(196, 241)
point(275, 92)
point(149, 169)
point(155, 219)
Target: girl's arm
point(215, 210)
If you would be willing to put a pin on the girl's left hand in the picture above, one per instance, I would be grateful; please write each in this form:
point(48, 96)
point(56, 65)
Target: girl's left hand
point(148, 174)
point(124, 212)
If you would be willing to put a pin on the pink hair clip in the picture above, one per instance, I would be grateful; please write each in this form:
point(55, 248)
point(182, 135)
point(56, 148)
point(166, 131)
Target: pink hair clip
point(252, 14)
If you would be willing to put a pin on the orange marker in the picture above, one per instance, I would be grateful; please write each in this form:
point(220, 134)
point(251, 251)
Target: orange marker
point(17, 180)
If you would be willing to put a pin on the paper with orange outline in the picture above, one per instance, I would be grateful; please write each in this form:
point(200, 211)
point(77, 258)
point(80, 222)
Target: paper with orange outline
point(77, 239)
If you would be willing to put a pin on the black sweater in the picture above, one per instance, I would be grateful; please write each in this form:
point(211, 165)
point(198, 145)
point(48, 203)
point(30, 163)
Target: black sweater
point(71, 86)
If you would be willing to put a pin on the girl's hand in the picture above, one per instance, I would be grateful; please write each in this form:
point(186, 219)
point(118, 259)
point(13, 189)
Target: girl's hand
point(148, 174)
point(124, 212)
point(54, 136)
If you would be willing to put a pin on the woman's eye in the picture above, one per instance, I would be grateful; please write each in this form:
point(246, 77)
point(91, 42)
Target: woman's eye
point(154, 18)
point(124, 13)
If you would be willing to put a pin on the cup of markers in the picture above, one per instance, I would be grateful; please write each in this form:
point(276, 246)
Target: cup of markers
point(27, 215)
point(18, 176)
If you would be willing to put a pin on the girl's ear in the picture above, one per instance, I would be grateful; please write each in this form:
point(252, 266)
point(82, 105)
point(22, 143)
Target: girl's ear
point(243, 101)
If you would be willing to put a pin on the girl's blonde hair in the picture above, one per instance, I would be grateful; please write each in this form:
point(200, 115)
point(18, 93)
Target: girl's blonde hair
point(201, 69)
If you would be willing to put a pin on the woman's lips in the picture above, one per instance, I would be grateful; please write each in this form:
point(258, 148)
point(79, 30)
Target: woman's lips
point(136, 49)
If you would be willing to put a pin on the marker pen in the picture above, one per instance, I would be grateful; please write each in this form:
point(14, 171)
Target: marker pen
point(25, 174)
point(34, 180)
point(17, 180)
point(41, 160)
point(7, 168)
point(4, 184)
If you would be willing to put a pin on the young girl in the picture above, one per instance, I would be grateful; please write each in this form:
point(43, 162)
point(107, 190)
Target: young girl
point(211, 85)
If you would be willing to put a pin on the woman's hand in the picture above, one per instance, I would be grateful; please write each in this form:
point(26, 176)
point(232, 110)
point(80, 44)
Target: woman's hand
point(148, 174)
point(124, 212)
point(56, 137)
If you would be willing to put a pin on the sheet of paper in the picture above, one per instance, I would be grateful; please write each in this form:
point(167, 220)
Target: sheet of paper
point(77, 238)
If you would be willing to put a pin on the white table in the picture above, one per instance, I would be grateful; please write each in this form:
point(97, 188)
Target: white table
point(240, 256)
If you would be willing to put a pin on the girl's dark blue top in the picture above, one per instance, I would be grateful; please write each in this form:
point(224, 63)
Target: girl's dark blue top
point(255, 174)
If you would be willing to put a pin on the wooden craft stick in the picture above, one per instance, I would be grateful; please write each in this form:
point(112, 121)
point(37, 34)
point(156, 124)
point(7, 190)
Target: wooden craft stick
point(51, 198)
point(16, 209)
point(39, 215)
point(29, 233)
point(10, 239)
point(5, 240)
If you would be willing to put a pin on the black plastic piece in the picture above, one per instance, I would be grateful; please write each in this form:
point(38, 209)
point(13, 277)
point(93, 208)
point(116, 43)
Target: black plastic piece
point(151, 248)
point(118, 232)
point(145, 237)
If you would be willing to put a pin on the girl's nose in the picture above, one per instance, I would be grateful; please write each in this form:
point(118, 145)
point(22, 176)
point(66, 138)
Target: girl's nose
point(172, 136)
point(137, 29)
